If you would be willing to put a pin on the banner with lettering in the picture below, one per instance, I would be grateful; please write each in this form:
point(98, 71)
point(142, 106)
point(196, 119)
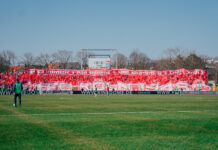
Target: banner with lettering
point(116, 79)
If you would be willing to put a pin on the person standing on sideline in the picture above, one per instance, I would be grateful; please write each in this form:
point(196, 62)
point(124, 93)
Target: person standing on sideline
point(108, 92)
point(17, 92)
point(2, 90)
point(96, 90)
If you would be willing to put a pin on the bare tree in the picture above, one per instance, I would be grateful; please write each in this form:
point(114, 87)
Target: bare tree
point(173, 58)
point(28, 60)
point(4, 64)
point(63, 57)
point(44, 59)
point(195, 62)
point(205, 58)
point(144, 61)
point(177, 51)
point(172, 53)
point(138, 60)
point(9, 56)
point(161, 64)
point(82, 57)
point(179, 62)
point(120, 60)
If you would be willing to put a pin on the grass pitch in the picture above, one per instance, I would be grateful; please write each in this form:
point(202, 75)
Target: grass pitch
point(114, 122)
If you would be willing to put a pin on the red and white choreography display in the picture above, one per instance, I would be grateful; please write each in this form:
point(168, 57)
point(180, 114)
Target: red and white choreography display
point(117, 79)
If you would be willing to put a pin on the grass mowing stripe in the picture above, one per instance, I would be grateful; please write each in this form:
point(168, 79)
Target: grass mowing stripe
point(62, 133)
point(109, 113)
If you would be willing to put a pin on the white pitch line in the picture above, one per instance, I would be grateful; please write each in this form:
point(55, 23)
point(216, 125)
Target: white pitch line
point(111, 113)
point(63, 98)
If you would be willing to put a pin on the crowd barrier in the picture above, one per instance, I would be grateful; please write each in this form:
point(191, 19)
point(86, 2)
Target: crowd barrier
point(150, 92)
point(115, 92)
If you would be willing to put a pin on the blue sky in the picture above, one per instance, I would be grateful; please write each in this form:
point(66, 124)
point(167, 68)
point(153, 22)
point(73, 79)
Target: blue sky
point(151, 26)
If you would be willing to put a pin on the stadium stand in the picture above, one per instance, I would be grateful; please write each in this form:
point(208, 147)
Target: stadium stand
point(117, 79)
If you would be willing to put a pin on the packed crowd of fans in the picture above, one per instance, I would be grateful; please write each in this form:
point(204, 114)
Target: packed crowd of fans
point(9, 78)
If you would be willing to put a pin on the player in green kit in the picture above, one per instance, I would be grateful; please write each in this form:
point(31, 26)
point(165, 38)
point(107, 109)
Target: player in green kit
point(96, 90)
point(108, 92)
point(17, 92)
point(2, 90)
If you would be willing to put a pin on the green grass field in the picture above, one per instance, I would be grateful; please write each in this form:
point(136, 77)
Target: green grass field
point(116, 122)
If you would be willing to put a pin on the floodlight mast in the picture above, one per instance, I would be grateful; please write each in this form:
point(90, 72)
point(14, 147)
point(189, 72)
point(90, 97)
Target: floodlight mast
point(102, 50)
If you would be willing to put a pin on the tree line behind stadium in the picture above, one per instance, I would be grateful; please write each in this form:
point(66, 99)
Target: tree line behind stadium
point(172, 58)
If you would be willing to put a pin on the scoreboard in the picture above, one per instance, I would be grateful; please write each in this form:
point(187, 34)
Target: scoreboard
point(99, 63)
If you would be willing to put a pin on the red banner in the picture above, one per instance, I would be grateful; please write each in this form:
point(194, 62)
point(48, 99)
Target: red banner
point(113, 71)
point(117, 79)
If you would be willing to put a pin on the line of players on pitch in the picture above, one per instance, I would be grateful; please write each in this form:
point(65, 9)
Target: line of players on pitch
point(96, 91)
